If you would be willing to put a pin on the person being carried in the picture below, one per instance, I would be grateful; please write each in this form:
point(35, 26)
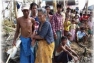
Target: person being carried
point(25, 27)
point(65, 53)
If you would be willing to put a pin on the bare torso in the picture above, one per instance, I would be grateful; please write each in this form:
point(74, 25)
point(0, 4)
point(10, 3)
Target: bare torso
point(59, 49)
point(26, 26)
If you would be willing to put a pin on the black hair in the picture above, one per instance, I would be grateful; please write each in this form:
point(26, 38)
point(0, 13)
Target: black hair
point(51, 12)
point(76, 12)
point(81, 14)
point(68, 9)
point(62, 9)
point(33, 4)
point(73, 20)
point(69, 34)
point(82, 28)
point(47, 6)
point(63, 38)
point(59, 6)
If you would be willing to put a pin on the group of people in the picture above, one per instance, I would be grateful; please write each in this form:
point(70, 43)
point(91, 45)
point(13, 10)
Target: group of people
point(44, 36)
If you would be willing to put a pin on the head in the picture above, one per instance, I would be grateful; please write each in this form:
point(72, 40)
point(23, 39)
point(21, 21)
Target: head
point(47, 9)
point(91, 13)
point(64, 40)
point(73, 21)
point(67, 18)
point(59, 8)
point(82, 29)
point(69, 36)
point(81, 14)
point(68, 9)
point(76, 16)
point(85, 13)
point(42, 14)
point(76, 12)
point(33, 8)
point(25, 10)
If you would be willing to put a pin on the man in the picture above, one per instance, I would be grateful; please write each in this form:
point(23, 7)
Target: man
point(49, 17)
point(57, 25)
point(33, 8)
point(64, 53)
point(25, 26)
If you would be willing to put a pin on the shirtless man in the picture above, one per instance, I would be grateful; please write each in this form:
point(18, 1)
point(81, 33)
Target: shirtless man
point(25, 25)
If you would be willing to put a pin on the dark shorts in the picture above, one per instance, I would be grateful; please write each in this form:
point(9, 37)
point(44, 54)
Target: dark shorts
point(63, 57)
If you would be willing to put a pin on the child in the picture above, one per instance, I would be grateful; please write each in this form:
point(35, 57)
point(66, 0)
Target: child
point(90, 23)
point(73, 28)
point(35, 28)
point(77, 19)
point(64, 53)
point(69, 39)
point(67, 24)
point(81, 35)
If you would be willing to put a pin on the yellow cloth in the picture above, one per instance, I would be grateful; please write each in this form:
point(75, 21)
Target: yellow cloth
point(67, 25)
point(44, 52)
point(74, 26)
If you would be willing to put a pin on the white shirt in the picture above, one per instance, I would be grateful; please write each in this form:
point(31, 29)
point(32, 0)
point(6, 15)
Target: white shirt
point(68, 43)
point(80, 34)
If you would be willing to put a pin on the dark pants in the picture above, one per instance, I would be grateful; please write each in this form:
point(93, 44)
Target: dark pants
point(63, 57)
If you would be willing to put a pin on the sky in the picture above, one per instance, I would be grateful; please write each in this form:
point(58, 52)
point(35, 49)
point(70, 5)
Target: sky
point(82, 3)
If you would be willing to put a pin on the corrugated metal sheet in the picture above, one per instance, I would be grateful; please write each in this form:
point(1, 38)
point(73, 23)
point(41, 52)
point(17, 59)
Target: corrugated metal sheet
point(70, 2)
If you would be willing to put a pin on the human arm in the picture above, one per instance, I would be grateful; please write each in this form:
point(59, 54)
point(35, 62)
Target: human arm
point(69, 49)
point(43, 32)
point(16, 33)
point(65, 50)
point(33, 26)
point(53, 23)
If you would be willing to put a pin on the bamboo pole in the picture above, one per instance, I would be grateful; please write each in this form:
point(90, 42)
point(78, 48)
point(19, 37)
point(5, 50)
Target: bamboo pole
point(3, 10)
point(15, 9)
point(24, 1)
point(39, 3)
point(87, 7)
point(57, 1)
point(11, 10)
point(54, 6)
point(64, 6)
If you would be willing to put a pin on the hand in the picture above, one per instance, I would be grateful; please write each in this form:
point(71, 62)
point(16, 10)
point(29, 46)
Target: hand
point(55, 36)
point(75, 59)
point(33, 42)
point(14, 43)
point(32, 36)
point(78, 57)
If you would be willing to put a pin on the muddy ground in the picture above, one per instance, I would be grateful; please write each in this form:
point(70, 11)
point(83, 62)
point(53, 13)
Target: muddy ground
point(84, 51)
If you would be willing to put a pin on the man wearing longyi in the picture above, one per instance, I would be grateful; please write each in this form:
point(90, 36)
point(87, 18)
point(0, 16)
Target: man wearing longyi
point(25, 25)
